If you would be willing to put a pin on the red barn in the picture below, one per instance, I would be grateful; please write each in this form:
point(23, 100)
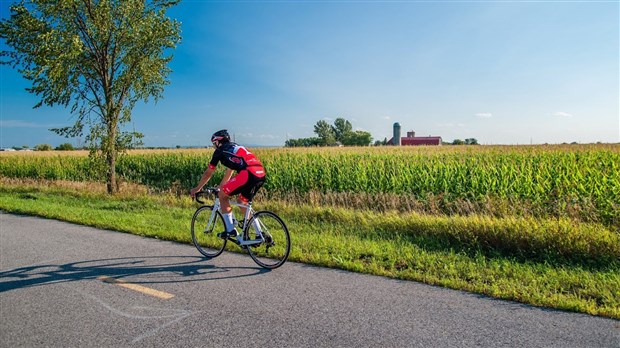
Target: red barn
point(412, 140)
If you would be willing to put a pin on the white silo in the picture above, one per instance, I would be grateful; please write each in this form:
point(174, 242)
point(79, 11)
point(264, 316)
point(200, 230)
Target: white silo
point(396, 138)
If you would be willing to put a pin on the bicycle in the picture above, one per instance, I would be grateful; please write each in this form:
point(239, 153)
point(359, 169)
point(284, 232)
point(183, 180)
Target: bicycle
point(269, 249)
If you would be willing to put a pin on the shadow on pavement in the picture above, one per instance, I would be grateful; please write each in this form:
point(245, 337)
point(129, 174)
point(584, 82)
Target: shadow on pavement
point(150, 270)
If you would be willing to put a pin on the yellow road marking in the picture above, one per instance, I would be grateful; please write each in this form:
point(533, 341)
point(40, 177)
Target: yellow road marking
point(136, 287)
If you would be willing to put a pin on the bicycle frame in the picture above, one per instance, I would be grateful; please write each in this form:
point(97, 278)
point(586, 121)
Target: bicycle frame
point(246, 218)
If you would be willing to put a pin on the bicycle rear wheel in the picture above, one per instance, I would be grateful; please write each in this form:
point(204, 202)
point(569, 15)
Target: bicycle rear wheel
point(276, 245)
point(205, 228)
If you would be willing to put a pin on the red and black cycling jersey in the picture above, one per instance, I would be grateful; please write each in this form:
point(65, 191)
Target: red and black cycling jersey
point(238, 158)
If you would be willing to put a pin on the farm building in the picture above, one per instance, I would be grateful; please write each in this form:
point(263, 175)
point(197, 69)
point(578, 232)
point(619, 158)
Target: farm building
point(411, 139)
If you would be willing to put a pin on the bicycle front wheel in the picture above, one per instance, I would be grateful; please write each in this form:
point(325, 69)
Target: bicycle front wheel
point(206, 224)
point(276, 245)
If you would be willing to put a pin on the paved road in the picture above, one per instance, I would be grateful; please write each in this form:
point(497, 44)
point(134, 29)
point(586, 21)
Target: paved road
point(58, 289)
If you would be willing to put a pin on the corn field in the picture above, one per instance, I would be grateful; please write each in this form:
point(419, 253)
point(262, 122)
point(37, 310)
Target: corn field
point(557, 178)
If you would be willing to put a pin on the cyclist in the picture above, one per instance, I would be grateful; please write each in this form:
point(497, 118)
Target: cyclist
point(250, 174)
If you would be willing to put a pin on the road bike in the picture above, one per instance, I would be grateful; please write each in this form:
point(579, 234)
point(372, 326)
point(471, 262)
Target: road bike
point(262, 233)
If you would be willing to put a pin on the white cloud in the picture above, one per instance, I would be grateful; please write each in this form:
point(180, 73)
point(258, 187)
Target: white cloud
point(484, 115)
point(562, 114)
point(387, 118)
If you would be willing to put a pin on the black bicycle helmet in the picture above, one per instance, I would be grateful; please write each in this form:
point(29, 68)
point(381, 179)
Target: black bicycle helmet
point(220, 137)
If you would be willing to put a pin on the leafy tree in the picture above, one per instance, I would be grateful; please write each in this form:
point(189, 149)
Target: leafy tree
point(303, 142)
point(471, 141)
point(43, 147)
point(344, 133)
point(458, 142)
point(357, 138)
point(325, 132)
point(341, 129)
point(98, 56)
point(381, 142)
point(328, 135)
point(65, 147)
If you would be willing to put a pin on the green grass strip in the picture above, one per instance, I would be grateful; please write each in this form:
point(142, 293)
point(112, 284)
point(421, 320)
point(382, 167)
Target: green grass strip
point(550, 263)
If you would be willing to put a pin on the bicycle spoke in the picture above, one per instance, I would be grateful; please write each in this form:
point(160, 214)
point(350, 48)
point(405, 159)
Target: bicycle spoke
point(276, 246)
point(205, 228)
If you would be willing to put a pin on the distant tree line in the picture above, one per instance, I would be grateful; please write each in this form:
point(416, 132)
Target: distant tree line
point(468, 141)
point(64, 147)
point(45, 147)
point(340, 133)
point(383, 142)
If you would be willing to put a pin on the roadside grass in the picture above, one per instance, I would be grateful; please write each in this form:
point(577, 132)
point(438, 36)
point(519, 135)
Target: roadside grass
point(551, 263)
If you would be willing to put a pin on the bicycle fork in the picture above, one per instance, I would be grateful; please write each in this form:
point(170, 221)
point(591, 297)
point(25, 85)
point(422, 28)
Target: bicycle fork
point(211, 224)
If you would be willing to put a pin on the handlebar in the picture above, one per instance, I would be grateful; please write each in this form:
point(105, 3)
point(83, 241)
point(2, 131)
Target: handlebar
point(205, 192)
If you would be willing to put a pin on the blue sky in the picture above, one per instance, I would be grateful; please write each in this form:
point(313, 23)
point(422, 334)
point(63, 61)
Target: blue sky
point(515, 72)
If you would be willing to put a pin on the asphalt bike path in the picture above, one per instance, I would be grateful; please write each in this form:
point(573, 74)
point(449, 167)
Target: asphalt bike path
point(66, 285)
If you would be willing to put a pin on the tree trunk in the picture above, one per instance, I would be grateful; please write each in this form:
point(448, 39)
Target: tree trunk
point(111, 158)
point(111, 182)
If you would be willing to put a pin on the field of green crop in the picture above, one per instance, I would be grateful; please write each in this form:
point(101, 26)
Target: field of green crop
point(576, 181)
